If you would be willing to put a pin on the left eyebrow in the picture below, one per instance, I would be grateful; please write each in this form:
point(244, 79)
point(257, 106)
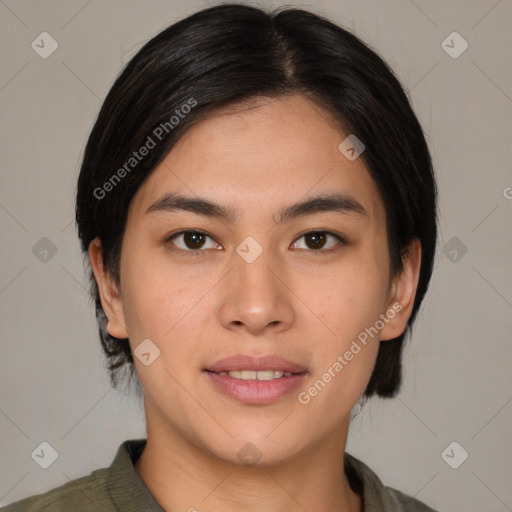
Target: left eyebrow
point(337, 203)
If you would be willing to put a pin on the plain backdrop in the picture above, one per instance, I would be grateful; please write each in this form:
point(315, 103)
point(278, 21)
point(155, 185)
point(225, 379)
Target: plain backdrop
point(457, 385)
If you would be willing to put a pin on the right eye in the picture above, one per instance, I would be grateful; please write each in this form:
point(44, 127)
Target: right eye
point(191, 241)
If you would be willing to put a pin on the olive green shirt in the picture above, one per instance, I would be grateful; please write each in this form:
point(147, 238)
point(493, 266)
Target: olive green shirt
point(119, 488)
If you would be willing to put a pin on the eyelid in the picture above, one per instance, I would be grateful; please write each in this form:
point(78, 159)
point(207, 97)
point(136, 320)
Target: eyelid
point(190, 252)
point(341, 240)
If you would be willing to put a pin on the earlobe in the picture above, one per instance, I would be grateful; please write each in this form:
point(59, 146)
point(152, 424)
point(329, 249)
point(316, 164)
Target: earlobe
point(403, 293)
point(111, 300)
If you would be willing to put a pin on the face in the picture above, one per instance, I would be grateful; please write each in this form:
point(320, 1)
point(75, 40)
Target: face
point(302, 285)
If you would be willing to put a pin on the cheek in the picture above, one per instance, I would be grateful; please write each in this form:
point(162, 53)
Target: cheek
point(350, 297)
point(151, 297)
point(160, 300)
point(345, 356)
point(159, 306)
point(349, 302)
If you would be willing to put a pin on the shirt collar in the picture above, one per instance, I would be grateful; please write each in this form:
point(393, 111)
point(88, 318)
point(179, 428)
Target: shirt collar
point(130, 494)
point(377, 497)
point(126, 488)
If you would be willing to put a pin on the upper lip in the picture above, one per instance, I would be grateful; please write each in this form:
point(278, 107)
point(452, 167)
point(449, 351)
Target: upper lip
point(246, 362)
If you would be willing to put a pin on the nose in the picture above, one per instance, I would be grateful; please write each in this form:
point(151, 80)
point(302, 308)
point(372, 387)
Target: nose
point(256, 298)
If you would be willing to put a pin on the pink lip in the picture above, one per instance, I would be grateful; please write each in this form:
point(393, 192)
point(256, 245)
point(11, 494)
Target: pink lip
point(256, 391)
point(245, 362)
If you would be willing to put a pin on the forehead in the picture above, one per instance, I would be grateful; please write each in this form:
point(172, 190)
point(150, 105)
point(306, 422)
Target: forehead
point(260, 156)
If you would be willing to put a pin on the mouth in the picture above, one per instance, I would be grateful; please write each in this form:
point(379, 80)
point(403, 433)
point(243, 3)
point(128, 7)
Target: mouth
point(255, 380)
point(256, 375)
point(264, 364)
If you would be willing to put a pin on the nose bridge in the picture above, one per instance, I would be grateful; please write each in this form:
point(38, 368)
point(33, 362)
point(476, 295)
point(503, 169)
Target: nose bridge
point(255, 296)
point(253, 273)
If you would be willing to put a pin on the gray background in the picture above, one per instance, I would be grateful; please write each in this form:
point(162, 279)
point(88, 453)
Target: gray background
point(457, 380)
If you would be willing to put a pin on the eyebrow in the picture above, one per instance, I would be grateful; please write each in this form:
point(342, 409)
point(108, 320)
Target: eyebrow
point(336, 203)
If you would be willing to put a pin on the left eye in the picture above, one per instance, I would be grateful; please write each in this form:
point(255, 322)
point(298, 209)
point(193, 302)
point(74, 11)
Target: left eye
point(317, 240)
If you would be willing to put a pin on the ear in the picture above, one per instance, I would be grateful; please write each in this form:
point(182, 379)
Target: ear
point(402, 293)
point(110, 297)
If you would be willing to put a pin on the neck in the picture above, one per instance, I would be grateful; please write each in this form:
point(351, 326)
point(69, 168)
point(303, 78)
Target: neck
point(182, 476)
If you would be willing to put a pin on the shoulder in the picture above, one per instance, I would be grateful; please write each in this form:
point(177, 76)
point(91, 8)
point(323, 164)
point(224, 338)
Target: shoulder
point(111, 489)
point(377, 496)
point(85, 494)
point(407, 503)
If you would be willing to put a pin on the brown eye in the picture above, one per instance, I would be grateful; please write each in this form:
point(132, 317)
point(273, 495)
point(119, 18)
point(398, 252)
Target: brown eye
point(190, 241)
point(316, 240)
point(193, 240)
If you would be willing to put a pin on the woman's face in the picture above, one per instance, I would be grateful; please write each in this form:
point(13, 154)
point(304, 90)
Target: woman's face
point(254, 284)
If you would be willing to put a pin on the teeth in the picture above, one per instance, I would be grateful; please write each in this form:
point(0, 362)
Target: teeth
point(253, 375)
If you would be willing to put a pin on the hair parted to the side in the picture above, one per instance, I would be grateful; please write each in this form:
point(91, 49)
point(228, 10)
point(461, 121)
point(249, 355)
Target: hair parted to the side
point(231, 53)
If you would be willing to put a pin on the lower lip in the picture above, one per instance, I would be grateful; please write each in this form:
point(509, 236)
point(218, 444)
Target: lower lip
point(256, 391)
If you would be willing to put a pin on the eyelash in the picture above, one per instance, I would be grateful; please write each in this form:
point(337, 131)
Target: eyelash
point(198, 252)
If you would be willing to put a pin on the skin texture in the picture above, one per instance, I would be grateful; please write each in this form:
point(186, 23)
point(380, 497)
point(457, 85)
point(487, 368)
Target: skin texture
point(303, 303)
